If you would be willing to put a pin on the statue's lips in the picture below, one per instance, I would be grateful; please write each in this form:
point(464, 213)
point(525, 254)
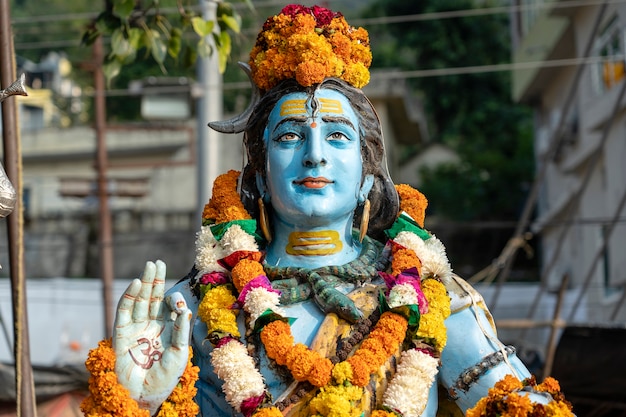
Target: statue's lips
point(313, 182)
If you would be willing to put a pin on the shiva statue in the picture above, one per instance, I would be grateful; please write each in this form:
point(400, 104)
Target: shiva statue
point(316, 289)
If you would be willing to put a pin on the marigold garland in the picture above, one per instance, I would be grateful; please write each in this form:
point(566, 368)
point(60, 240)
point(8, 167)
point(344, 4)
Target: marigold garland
point(310, 44)
point(223, 207)
point(412, 202)
point(109, 398)
point(505, 399)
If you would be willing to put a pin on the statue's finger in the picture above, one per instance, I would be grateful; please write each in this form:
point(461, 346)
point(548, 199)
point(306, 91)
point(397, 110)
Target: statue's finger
point(126, 304)
point(158, 288)
point(142, 302)
point(180, 332)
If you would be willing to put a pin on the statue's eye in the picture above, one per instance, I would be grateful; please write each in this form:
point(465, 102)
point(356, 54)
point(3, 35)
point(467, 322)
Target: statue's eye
point(288, 137)
point(338, 136)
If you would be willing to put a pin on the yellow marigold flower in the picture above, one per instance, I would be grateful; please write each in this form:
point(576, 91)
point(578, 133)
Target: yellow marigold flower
point(218, 297)
point(268, 412)
point(413, 202)
point(342, 372)
point(437, 296)
point(221, 320)
point(336, 401)
point(356, 74)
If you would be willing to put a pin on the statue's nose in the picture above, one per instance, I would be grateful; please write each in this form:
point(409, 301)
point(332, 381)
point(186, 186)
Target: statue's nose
point(314, 155)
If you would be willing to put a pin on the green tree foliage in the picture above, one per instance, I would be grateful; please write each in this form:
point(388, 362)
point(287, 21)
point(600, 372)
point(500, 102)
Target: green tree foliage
point(471, 113)
point(135, 26)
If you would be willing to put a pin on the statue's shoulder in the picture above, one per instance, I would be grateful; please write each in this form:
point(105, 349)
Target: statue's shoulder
point(463, 296)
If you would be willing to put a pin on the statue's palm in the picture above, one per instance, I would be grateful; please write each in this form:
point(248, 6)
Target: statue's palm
point(151, 338)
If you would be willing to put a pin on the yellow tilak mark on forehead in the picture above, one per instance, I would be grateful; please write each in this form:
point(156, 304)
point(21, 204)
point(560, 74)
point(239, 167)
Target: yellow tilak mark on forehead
point(330, 105)
point(291, 107)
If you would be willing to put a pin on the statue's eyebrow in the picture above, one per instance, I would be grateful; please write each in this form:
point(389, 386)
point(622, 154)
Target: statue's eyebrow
point(293, 119)
point(336, 119)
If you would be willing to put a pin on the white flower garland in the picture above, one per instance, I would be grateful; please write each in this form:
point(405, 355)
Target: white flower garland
point(409, 388)
point(242, 380)
point(431, 252)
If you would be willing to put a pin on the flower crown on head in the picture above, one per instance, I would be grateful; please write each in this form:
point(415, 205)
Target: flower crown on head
point(310, 44)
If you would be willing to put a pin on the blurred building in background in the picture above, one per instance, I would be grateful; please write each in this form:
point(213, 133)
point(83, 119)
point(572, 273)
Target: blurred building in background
point(569, 60)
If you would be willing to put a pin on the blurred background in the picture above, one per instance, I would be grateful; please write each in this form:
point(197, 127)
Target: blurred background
point(507, 115)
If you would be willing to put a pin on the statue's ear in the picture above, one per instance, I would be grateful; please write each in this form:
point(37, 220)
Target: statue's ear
point(261, 186)
point(366, 187)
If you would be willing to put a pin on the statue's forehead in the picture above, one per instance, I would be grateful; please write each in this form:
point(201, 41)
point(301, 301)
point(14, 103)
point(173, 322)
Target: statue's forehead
point(299, 104)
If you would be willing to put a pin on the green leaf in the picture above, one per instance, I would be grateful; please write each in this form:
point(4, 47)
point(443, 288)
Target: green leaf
point(123, 8)
point(202, 27)
point(224, 8)
point(204, 49)
point(111, 69)
point(223, 42)
point(89, 36)
point(135, 37)
point(174, 45)
point(158, 48)
point(120, 45)
point(232, 22)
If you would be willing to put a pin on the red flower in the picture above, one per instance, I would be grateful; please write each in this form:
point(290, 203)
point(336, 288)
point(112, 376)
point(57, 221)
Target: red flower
point(295, 9)
point(323, 16)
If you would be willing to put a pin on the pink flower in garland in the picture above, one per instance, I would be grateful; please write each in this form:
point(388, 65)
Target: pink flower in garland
point(214, 278)
point(411, 277)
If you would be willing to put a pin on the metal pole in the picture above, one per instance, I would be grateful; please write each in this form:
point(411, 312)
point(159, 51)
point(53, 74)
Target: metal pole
point(105, 235)
point(209, 110)
point(25, 391)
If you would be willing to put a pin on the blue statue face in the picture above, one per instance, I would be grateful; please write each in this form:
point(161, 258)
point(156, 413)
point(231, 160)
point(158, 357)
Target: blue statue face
point(314, 166)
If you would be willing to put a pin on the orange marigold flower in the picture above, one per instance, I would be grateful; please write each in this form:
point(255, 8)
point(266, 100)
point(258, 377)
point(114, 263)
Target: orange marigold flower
point(101, 359)
point(382, 413)
point(277, 339)
point(413, 202)
point(245, 271)
point(303, 42)
point(309, 73)
point(373, 360)
point(360, 371)
point(375, 345)
point(394, 324)
point(320, 375)
point(225, 204)
point(300, 360)
point(550, 385)
point(508, 384)
point(404, 259)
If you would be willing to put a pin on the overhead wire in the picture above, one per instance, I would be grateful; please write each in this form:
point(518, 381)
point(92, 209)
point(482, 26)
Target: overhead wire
point(423, 73)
